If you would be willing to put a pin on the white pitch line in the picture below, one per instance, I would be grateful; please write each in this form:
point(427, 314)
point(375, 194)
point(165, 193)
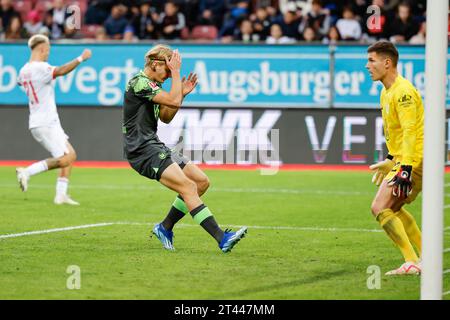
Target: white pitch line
point(30, 233)
point(447, 271)
point(104, 224)
point(212, 189)
point(446, 293)
point(446, 250)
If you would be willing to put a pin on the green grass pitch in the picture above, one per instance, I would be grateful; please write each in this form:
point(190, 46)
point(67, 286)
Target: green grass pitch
point(311, 236)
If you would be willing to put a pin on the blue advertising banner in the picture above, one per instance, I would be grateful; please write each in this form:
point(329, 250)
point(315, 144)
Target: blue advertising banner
point(353, 86)
point(229, 75)
point(232, 75)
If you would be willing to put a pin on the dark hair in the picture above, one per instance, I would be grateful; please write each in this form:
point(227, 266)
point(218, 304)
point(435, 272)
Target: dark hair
point(385, 48)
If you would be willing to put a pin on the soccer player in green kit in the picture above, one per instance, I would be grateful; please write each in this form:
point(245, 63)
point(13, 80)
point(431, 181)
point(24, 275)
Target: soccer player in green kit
point(144, 103)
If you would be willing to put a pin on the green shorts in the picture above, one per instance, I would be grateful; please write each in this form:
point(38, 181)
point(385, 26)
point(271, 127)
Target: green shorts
point(155, 160)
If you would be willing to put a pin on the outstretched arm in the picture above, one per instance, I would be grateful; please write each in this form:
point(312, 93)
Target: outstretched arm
point(68, 67)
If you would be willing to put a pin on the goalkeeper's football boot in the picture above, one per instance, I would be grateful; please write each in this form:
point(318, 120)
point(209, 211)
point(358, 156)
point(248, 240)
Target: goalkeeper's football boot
point(165, 236)
point(230, 239)
point(22, 177)
point(405, 269)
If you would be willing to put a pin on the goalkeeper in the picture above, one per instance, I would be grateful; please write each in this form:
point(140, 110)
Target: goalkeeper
point(399, 176)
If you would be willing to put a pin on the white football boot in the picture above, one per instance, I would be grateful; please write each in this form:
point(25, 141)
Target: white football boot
point(408, 267)
point(22, 177)
point(65, 199)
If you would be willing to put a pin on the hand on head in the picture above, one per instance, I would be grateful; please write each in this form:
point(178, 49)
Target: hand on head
point(174, 64)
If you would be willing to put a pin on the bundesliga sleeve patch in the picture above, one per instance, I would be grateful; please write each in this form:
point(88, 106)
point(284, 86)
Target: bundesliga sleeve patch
point(153, 85)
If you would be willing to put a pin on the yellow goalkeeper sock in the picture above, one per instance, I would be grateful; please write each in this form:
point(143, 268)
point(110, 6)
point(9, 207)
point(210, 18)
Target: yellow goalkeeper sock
point(393, 226)
point(411, 228)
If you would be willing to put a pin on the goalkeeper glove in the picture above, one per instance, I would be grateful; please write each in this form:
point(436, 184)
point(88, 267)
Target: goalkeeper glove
point(382, 168)
point(401, 183)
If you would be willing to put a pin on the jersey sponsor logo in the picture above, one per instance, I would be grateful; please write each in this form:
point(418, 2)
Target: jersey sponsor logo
point(153, 85)
point(405, 100)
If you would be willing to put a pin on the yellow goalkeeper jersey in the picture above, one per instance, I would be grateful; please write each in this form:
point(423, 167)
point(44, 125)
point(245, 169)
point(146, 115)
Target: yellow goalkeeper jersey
point(402, 111)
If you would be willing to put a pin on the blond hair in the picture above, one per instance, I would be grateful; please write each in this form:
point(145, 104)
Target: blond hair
point(157, 53)
point(36, 40)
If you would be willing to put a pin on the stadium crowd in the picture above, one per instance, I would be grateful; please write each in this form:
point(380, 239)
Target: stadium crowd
point(249, 21)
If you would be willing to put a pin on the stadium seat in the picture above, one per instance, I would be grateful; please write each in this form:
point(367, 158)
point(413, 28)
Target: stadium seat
point(43, 5)
point(204, 33)
point(185, 34)
point(23, 7)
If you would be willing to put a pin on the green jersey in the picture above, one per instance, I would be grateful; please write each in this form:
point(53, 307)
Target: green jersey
point(140, 115)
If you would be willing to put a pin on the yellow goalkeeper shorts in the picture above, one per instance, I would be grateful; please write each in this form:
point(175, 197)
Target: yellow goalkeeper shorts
point(416, 179)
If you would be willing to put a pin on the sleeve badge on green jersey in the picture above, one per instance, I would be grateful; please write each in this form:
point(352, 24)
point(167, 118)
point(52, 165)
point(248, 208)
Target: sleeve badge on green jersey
point(162, 155)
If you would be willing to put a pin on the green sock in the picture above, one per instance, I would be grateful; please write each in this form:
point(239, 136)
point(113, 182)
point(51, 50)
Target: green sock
point(203, 216)
point(176, 213)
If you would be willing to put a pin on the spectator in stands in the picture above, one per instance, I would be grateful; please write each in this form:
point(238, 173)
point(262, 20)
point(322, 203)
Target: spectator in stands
point(302, 5)
point(376, 27)
point(333, 36)
point(189, 8)
point(171, 22)
point(98, 11)
point(145, 22)
point(420, 37)
point(404, 26)
point(237, 8)
point(48, 22)
point(359, 7)
point(7, 12)
point(212, 12)
point(261, 23)
point(349, 27)
point(59, 16)
point(245, 32)
point(34, 24)
point(290, 24)
point(272, 13)
point(116, 23)
point(128, 34)
point(15, 29)
point(100, 34)
point(318, 19)
point(309, 35)
point(276, 36)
